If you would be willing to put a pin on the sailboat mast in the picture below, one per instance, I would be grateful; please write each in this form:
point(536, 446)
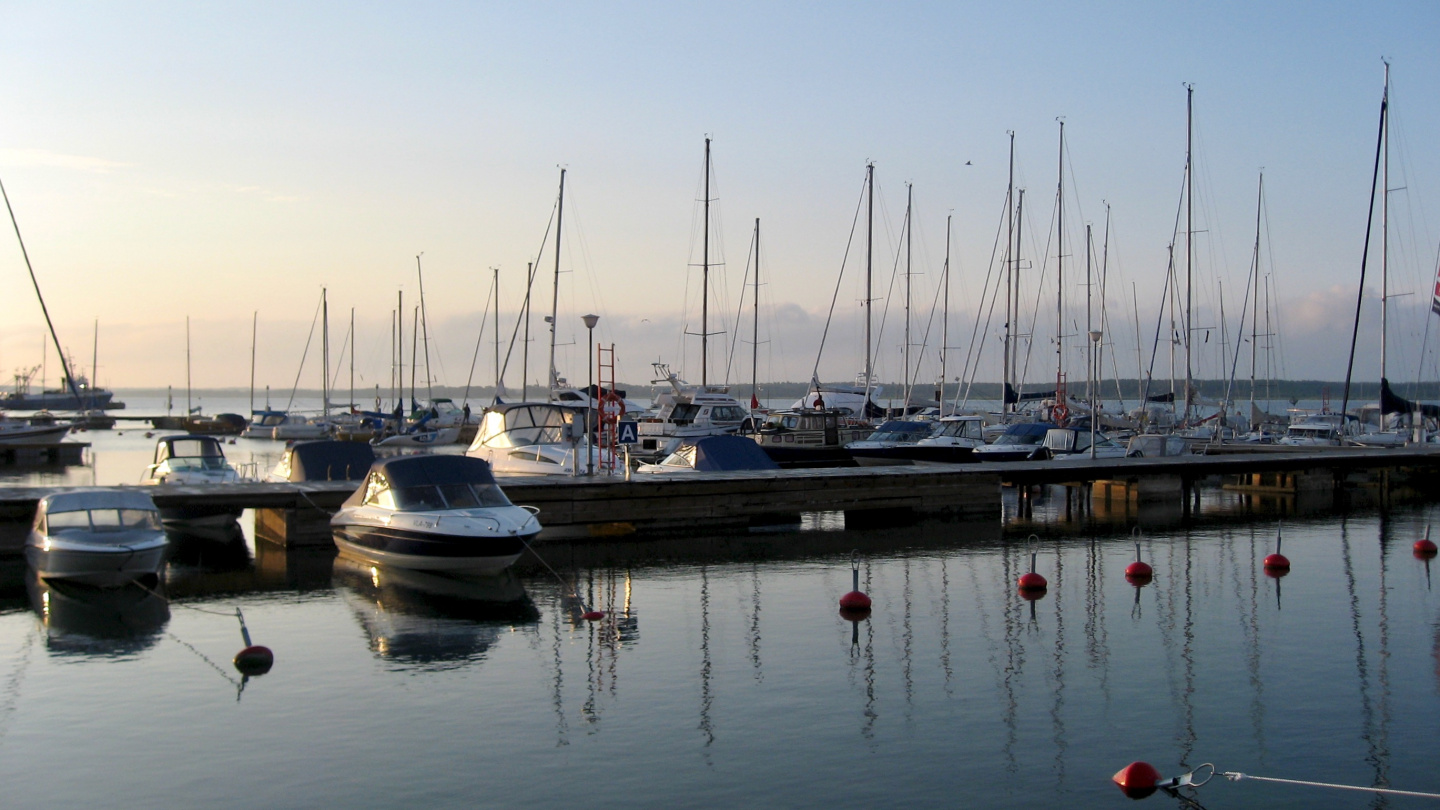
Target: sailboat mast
point(1089, 327)
point(1255, 282)
point(424, 329)
point(705, 279)
point(1189, 237)
point(414, 347)
point(945, 316)
point(869, 266)
point(325, 353)
point(1060, 268)
point(1385, 236)
point(498, 382)
point(95, 369)
point(400, 348)
point(555, 291)
point(1015, 316)
point(254, 333)
point(755, 323)
point(525, 347)
point(187, 366)
point(909, 234)
point(45, 310)
point(1010, 268)
point(352, 357)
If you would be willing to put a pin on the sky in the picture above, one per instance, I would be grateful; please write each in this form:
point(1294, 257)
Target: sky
point(227, 162)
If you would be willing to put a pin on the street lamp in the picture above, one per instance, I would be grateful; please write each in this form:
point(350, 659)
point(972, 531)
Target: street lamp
point(590, 321)
point(1095, 336)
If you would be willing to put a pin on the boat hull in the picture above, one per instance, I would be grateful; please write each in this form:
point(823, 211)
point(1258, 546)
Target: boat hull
point(34, 434)
point(912, 454)
point(429, 551)
point(102, 567)
point(798, 457)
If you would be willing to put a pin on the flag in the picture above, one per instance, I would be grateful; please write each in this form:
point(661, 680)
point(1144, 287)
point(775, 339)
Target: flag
point(1435, 302)
point(755, 403)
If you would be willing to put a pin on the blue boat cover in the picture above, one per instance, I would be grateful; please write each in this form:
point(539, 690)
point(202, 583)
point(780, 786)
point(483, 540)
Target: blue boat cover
point(729, 454)
point(415, 471)
point(1025, 429)
point(327, 460)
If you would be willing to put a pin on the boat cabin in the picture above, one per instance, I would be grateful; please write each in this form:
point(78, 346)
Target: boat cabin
point(429, 483)
point(189, 452)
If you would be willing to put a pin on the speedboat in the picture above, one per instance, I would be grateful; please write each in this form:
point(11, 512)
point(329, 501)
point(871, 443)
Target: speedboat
point(685, 412)
point(1073, 444)
point(101, 537)
point(29, 431)
point(433, 513)
point(886, 445)
point(713, 454)
point(1021, 441)
point(191, 460)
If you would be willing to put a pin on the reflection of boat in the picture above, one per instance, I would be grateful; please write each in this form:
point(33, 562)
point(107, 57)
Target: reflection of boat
point(437, 513)
point(100, 621)
point(101, 537)
point(190, 459)
point(430, 620)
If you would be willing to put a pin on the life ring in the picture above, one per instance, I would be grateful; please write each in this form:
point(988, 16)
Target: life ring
point(1061, 413)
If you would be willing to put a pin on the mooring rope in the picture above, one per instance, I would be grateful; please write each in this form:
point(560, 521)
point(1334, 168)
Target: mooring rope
point(574, 591)
point(1236, 776)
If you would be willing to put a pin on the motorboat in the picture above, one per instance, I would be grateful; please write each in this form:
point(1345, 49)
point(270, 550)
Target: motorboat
point(1075, 444)
point(102, 537)
point(1022, 441)
point(323, 460)
point(296, 426)
point(534, 438)
point(439, 422)
point(952, 440)
point(1323, 429)
point(1157, 445)
point(25, 431)
point(713, 454)
point(419, 436)
point(856, 401)
point(263, 423)
point(193, 460)
point(221, 424)
point(433, 513)
point(684, 412)
point(883, 447)
point(811, 438)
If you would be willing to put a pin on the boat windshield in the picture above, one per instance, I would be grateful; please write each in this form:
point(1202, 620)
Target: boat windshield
point(198, 463)
point(684, 457)
point(966, 428)
point(527, 425)
point(782, 420)
point(448, 496)
point(102, 520)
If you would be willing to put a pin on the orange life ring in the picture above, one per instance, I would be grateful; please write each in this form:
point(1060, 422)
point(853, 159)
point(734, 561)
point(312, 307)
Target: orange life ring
point(1061, 412)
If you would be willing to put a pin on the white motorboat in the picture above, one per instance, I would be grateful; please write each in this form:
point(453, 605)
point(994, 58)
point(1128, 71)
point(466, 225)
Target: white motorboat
point(189, 459)
point(1022, 441)
point(685, 412)
point(27, 431)
point(1074, 444)
point(433, 513)
point(534, 438)
point(102, 537)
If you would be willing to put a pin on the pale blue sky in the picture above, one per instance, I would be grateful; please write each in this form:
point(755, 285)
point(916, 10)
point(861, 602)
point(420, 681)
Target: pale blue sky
point(174, 159)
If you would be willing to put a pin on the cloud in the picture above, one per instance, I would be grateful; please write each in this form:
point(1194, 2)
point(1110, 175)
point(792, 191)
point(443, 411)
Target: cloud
point(44, 157)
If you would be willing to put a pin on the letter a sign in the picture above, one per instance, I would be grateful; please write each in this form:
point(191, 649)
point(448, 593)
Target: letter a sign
point(625, 432)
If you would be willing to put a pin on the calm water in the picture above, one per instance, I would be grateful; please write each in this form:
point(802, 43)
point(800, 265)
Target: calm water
point(723, 674)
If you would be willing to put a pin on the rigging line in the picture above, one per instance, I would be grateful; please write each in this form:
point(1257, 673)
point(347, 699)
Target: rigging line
point(340, 363)
point(1424, 341)
point(529, 286)
point(1236, 776)
point(1365, 256)
point(64, 364)
point(303, 355)
point(730, 355)
point(969, 372)
point(889, 290)
point(475, 358)
point(1044, 267)
point(1164, 294)
point(815, 372)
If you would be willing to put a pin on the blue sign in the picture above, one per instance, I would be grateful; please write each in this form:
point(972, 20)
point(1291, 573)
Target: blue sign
point(625, 432)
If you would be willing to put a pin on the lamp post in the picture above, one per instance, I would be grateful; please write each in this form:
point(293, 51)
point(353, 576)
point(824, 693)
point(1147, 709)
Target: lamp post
point(590, 321)
point(1095, 336)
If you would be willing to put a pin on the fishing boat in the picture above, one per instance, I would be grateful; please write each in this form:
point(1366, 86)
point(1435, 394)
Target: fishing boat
point(712, 454)
point(102, 537)
point(810, 438)
point(81, 396)
point(433, 513)
point(193, 460)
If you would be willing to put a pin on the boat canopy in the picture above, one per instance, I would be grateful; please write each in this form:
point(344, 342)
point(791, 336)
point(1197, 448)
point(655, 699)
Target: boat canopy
point(411, 471)
point(80, 500)
point(427, 483)
point(187, 445)
point(519, 424)
point(327, 460)
point(722, 453)
point(1024, 430)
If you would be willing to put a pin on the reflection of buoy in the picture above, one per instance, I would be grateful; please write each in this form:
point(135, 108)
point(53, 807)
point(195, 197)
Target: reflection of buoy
point(1425, 547)
point(254, 660)
point(855, 600)
point(593, 615)
point(1277, 564)
point(1138, 572)
point(1137, 780)
point(854, 614)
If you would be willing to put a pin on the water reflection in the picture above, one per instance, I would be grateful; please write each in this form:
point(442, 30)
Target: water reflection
point(420, 620)
point(105, 622)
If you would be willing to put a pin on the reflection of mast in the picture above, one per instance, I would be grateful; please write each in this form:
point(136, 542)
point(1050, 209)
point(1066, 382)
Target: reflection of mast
point(706, 696)
point(907, 638)
point(945, 624)
point(1187, 654)
point(755, 621)
point(1057, 717)
point(1362, 667)
point(557, 690)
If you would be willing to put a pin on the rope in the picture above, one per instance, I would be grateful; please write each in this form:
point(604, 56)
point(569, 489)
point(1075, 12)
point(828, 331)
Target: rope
point(573, 590)
point(1236, 776)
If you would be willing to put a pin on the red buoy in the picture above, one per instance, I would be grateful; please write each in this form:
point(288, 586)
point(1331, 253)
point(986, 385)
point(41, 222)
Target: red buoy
point(1031, 581)
point(856, 599)
point(1425, 547)
point(1137, 780)
point(254, 660)
point(854, 614)
point(1138, 572)
point(593, 615)
point(1277, 564)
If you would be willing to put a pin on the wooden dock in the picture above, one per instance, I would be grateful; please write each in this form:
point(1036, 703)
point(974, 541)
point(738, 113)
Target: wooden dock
point(606, 506)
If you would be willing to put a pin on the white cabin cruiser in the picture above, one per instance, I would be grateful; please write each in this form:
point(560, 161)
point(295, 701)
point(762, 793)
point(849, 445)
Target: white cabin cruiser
point(188, 459)
point(101, 537)
point(533, 438)
point(433, 513)
point(686, 412)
